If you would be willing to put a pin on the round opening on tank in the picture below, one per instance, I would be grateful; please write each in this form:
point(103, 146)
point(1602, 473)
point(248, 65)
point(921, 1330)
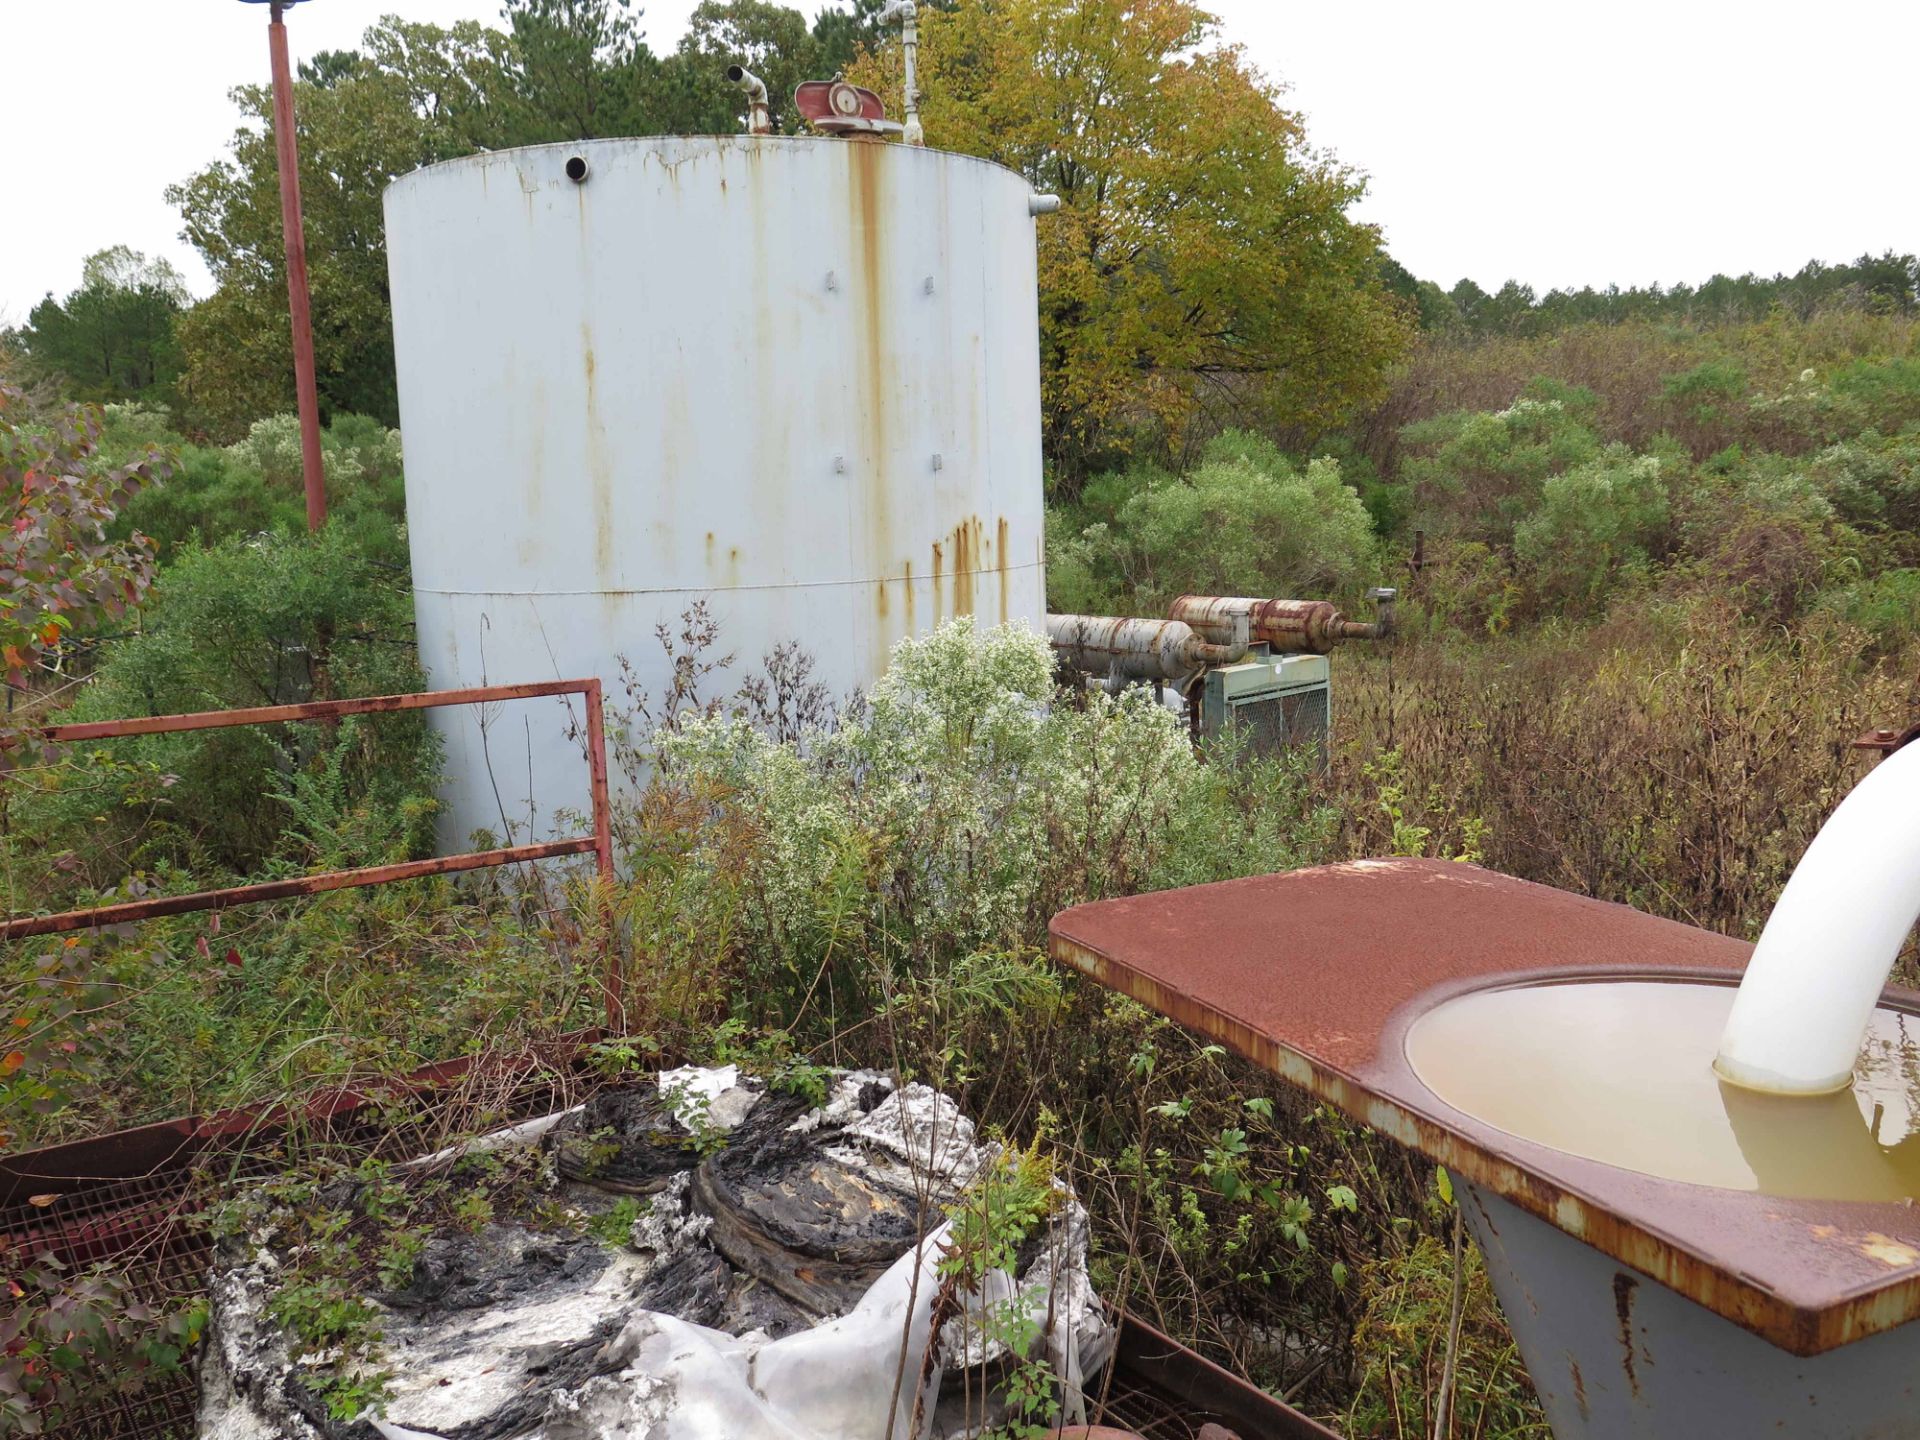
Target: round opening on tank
point(1621, 1071)
point(576, 168)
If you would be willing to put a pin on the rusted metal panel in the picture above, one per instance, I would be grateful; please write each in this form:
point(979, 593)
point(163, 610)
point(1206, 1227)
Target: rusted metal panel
point(795, 377)
point(1324, 1001)
point(1215, 1395)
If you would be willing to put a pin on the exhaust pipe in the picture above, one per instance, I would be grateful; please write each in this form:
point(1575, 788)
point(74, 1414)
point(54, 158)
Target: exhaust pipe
point(759, 115)
point(1287, 627)
point(1122, 649)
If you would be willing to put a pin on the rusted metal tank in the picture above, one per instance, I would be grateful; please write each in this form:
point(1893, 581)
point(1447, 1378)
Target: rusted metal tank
point(1287, 627)
point(796, 377)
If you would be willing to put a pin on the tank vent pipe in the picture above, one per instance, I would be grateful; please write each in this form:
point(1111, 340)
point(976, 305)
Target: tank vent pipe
point(759, 114)
point(908, 15)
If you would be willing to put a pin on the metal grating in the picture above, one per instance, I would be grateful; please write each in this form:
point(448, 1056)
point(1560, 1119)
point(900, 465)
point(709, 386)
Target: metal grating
point(1269, 724)
point(144, 1226)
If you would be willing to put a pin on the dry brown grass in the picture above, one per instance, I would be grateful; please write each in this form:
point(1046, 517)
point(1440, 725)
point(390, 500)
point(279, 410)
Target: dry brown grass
point(1678, 760)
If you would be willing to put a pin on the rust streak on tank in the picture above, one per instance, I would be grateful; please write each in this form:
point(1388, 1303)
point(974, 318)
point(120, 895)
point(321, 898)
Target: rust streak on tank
point(599, 467)
point(1000, 565)
point(1623, 1287)
point(867, 221)
point(939, 571)
point(909, 593)
point(965, 559)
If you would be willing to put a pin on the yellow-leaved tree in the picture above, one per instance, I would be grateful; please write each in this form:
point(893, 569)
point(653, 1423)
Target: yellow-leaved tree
point(1202, 262)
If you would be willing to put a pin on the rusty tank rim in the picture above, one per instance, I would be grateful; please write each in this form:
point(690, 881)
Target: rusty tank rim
point(693, 145)
point(1317, 975)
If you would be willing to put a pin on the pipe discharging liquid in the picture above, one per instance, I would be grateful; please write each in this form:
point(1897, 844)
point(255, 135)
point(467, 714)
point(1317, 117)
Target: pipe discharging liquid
point(1810, 991)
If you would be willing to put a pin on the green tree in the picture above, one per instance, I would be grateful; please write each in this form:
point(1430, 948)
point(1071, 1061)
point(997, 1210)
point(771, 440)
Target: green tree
point(1474, 476)
point(356, 134)
point(773, 41)
point(1246, 521)
point(113, 337)
point(574, 70)
point(63, 576)
point(1204, 255)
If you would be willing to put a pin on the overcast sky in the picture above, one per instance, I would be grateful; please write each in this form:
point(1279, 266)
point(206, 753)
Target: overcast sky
point(1556, 143)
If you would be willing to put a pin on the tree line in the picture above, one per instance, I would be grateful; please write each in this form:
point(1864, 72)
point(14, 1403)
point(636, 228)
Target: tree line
point(1203, 272)
point(1203, 268)
point(1887, 284)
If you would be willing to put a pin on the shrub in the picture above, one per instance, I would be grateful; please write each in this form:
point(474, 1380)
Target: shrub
point(1678, 758)
point(1401, 1351)
point(1594, 529)
point(958, 811)
point(1873, 482)
point(64, 577)
point(1247, 522)
point(269, 621)
point(256, 486)
point(1705, 405)
point(1886, 606)
point(1475, 476)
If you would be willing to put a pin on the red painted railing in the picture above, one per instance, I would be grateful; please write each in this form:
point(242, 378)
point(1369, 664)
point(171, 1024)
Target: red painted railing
point(599, 844)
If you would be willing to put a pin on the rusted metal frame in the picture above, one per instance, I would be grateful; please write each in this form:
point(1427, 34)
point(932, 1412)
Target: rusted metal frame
point(611, 980)
point(100, 916)
point(599, 844)
point(165, 1147)
point(307, 710)
point(1171, 1367)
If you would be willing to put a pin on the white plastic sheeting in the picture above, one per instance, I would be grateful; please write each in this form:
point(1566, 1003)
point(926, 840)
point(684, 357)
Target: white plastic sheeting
point(597, 1366)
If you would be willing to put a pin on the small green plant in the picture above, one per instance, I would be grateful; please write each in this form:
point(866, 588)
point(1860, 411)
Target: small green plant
point(999, 1212)
point(69, 1338)
point(398, 1255)
point(473, 1210)
point(614, 1227)
point(690, 1107)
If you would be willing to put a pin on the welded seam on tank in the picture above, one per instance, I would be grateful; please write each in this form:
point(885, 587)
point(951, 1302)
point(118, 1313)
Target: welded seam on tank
point(708, 589)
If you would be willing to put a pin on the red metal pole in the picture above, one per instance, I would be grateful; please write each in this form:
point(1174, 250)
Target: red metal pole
point(305, 710)
point(293, 230)
point(603, 853)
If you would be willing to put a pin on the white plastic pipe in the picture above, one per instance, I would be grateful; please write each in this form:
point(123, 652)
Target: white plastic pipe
point(907, 13)
point(1830, 943)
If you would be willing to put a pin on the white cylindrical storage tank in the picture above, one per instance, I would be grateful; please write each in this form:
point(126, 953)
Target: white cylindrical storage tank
point(797, 378)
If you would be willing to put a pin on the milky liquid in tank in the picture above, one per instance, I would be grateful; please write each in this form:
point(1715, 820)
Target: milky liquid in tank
point(1622, 1072)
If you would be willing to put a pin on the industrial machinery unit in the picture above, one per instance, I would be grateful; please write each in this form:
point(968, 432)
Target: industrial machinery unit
point(792, 378)
point(1256, 669)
